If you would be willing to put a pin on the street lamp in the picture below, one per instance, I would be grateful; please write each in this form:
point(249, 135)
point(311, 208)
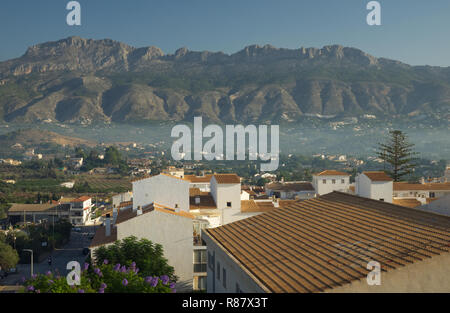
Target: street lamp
point(31, 251)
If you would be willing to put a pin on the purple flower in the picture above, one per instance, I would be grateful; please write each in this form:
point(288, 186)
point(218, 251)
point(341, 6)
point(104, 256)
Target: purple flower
point(123, 269)
point(124, 282)
point(101, 290)
point(148, 279)
point(23, 279)
point(98, 272)
point(30, 288)
point(105, 261)
point(172, 286)
point(117, 267)
point(165, 279)
point(133, 265)
point(86, 266)
point(174, 290)
point(136, 270)
point(80, 291)
point(103, 286)
point(49, 273)
point(154, 282)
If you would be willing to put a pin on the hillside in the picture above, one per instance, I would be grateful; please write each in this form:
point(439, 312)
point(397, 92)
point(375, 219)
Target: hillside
point(78, 80)
point(31, 138)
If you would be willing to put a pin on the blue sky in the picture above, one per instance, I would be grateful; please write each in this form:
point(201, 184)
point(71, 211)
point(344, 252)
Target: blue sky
point(412, 31)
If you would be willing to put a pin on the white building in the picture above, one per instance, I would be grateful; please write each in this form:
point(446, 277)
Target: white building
point(274, 252)
point(159, 224)
point(116, 200)
point(173, 171)
point(80, 209)
point(374, 185)
point(330, 180)
point(164, 189)
point(226, 192)
point(290, 190)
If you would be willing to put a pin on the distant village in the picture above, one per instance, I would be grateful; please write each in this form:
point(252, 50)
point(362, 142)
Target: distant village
point(207, 216)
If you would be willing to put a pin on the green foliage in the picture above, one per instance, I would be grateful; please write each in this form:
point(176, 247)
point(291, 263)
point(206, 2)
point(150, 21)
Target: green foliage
point(398, 155)
point(105, 278)
point(8, 256)
point(149, 257)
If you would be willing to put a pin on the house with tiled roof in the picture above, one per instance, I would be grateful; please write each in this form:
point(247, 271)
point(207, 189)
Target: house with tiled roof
point(333, 243)
point(374, 185)
point(290, 190)
point(330, 180)
point(160, 224)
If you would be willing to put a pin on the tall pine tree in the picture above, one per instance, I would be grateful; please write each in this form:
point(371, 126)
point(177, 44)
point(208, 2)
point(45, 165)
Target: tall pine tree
point(398, 154)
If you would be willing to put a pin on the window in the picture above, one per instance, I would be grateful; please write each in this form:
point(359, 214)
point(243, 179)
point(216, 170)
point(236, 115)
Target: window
point(229, 204)
point(381, 199)
point(324, 181)
point(176, 205)
point(218, 271)
point(333, 181)
point(201, 283)
point(432, 195)
point(199, 261)
point(224, 278)
point(342, 181)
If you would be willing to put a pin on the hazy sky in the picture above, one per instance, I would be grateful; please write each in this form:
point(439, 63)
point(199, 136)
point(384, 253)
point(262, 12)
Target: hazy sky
point(412, 31)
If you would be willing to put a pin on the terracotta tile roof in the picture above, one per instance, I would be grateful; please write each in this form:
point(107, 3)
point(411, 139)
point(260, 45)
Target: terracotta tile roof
point(409, 203)
point(294, 186)
point(377, 176)
point(332, 173)
point(100, 238)
point(128, 214)
point(427, 187)
point(19, 207)
point(198, 179)
point(227, 178)
point(252, 206)
point(82, 199)
point(325, 242)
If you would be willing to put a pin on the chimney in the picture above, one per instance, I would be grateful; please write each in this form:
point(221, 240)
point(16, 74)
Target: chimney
point(114, 214)
point(108, 226)
point(197, 200)
point(139, 210)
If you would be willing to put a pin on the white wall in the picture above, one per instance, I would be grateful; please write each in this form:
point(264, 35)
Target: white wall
point(328, 187)
point(376, 190)
point(235, 274)
point(174, 233)
point(162, 189)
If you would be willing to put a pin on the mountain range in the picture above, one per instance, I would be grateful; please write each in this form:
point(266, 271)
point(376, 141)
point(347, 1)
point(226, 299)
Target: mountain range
point(77, 80)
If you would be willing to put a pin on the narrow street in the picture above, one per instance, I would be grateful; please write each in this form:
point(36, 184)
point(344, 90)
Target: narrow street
point(72, 251)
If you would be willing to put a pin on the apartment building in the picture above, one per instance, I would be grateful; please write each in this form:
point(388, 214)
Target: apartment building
point(331, 180)
point(374, 185)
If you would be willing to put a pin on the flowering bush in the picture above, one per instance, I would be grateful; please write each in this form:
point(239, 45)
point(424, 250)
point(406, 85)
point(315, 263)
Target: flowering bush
point(106, 278)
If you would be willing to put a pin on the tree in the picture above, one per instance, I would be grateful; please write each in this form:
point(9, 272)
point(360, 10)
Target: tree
point(397, 154)
point(149, 257)
point(8, 256)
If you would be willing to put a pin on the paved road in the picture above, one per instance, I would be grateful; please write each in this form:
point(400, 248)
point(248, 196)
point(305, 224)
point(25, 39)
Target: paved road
point(72, 251)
